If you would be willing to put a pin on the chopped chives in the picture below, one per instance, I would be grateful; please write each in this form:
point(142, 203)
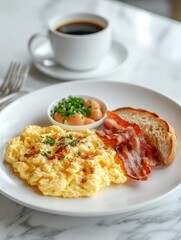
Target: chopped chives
point(68, 107)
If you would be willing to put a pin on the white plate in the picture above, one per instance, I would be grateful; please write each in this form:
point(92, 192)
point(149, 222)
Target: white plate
point(31, 109)
point(115, 58)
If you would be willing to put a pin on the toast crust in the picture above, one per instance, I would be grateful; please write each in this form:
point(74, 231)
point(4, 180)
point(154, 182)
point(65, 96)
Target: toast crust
point(158, 132)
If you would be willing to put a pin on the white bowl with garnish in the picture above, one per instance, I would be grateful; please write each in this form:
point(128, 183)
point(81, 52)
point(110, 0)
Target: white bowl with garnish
point(78, 112)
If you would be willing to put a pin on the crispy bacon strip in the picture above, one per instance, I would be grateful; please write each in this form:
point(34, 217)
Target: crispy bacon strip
point(115, 123)
point(136, 167)
point(128, 140)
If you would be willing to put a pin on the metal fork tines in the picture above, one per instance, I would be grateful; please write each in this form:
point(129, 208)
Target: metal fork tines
point(14, 79)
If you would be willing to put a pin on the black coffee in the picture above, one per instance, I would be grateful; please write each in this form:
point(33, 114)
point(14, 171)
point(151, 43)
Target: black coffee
point(79, 28)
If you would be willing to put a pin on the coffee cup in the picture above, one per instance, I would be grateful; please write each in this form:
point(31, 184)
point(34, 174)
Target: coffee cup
point(79, 41)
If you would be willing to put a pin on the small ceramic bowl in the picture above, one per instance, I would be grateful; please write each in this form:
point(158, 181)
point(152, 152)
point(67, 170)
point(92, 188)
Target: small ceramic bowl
point(96, 124)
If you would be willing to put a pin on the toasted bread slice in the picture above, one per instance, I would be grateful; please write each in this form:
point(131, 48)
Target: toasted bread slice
point(157, 131)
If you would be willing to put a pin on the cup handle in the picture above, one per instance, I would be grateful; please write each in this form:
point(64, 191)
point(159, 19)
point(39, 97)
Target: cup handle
point(48, 60)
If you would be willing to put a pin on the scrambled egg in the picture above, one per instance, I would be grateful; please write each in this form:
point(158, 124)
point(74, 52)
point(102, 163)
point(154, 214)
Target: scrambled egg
point(62, 163)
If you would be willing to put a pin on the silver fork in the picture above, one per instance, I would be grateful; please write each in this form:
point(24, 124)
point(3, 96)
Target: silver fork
point(4, 101)
point(14, 79)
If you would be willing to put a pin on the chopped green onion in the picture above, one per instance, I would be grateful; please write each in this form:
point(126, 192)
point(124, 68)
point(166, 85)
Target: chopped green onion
point(78, 152)
point(70, 106)
point(49, 140)
point(45, 154)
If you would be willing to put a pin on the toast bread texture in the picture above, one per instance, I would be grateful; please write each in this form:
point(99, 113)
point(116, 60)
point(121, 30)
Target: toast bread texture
point(157, 132)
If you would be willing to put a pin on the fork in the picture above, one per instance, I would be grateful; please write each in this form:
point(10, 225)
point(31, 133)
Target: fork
point(4, 101)
point(14, 79)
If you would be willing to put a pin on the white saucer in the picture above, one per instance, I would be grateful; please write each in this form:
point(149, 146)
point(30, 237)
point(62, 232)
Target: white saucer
point(115, 58)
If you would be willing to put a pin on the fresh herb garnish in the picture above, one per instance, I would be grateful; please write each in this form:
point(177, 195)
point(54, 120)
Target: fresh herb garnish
point(49, 140)
point(68, 107)
point(78, 152)
point(45, 154)
point(69, 140)
point(72, 143)
point(70, 136)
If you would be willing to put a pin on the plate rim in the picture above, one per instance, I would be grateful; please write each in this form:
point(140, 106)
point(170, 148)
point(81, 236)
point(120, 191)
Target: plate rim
point(90, 80)
point(94, 213)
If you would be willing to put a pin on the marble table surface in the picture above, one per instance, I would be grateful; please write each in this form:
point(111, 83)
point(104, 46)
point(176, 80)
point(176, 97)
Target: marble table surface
point(154, 61)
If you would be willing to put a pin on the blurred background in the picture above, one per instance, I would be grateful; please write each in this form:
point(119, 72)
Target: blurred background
point(167, 8)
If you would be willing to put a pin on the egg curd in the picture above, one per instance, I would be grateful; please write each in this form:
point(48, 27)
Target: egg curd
point(64, 164)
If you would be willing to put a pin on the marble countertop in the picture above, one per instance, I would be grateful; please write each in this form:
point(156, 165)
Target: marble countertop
point(154, 61)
